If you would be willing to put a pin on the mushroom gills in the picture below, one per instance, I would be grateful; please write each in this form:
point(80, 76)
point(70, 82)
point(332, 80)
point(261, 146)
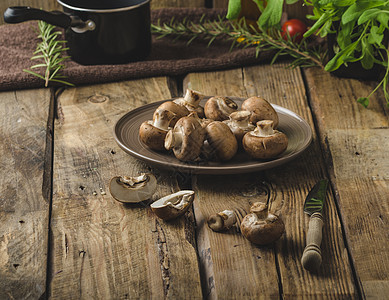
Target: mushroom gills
point(133, 189)
point(173, 205)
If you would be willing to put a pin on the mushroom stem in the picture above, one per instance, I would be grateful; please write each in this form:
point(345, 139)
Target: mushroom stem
point(192, 98)
point(241, 119)
point(264, 128)
point(261, 210)
point(173, 138)
point(222, 221)
point(162, 118)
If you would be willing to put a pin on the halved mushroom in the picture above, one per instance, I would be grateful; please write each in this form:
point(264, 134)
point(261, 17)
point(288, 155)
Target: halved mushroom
point(239, 124)
point(174, 205)
point(153, 132)
point(222, 221)
point(221, 144)
point(260, 226)
point(179, 111)
point(133, 189)
point(186, 138)
point(260, 110)
point(191, 101)
point(264, 142)
point(219, 108)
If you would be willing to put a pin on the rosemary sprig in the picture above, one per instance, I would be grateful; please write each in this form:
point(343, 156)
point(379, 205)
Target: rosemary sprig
point(50, 50)
point(242, 35)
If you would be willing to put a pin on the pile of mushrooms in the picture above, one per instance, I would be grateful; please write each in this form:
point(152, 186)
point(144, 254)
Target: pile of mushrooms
point(215, 132)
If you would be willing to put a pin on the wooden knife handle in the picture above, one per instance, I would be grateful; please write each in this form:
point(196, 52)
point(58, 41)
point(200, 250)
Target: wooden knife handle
point(311, 259)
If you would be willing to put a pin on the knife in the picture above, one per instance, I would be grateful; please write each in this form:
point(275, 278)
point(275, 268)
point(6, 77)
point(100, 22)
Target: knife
point(313, 206)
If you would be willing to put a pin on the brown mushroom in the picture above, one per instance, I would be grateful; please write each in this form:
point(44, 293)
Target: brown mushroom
point(191, 101)
point(221, 144)
point(219, 108)
point(153, 132)
point(239, 124)
point(179, 111)
point(260, 110)
point(264, 142)
point(133, 189)
point(222, 221)
point(260, 226)
point(174, 205)
point(186, 138)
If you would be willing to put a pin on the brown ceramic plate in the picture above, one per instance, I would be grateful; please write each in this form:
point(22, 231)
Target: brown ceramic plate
point(126, 134)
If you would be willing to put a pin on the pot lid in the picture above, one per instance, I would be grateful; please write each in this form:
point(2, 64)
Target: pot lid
point(103, 6)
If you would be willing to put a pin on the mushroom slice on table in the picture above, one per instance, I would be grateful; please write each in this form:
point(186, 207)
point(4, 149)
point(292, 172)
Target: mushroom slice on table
point(133, 189)
point(219, 108)
point(264, 142)
point(260, 226)
point(191, 101)
point(260, 110)
point(174, 205)
point(239, 124)
point(221, 144)
point(179, 111)
point(153, 132)
point(222, 220)
point(186, 138)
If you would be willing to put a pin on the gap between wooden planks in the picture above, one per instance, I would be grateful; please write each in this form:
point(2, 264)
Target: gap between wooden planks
point(231, 266)
point(356, 142)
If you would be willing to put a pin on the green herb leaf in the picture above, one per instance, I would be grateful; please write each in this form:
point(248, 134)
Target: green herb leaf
point(234, 8)
point(375, 37)
point(364, 101)
point(271, 16)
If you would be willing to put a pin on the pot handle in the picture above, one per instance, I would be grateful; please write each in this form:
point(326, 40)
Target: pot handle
point(19, 14)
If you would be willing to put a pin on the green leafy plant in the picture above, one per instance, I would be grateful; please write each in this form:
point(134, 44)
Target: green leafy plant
point(50, 51)
point(360, 27)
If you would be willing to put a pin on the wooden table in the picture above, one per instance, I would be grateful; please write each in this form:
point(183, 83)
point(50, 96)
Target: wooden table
point(62, 235)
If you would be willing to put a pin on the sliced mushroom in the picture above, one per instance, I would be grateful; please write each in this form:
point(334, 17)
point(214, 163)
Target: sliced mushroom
point(179, 111)
point(222, 221)
point(239, 124)
point(174, 205)
point(133, 189)
point(153, 132)
point(221, 144)
point(260, 110)
point(264, 142)
point(219, 108)
point(186, 138)
point(260, 226)
point(191, 101)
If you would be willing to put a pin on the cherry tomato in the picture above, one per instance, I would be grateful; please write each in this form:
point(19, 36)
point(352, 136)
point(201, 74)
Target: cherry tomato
point(296, 29)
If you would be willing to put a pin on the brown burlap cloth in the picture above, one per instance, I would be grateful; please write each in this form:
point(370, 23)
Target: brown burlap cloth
point(167, 58)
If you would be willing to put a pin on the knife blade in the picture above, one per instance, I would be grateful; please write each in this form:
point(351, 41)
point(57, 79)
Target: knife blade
point(313, 206)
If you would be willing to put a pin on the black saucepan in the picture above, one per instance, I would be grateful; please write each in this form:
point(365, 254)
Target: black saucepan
point(97, 31)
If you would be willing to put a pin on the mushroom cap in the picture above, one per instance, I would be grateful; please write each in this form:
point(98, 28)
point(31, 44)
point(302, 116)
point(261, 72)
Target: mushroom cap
point(152, 136)
point(222, 142)
point(133, 189)
point(179, 110)
point(262, 231)
point(239, 123)
point(222, 221)
point(186, 138)
point(219, 108)
point(173, 205)
point(265, 146)
point(260, 109)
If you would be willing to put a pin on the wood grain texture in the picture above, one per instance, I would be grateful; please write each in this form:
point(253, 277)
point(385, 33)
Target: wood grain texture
point(176, 3)
point(287, 187)
point(102, 248)
point(356, 141)
point(24, 210)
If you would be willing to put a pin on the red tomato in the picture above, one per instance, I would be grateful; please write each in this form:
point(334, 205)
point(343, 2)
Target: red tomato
point(296, 29)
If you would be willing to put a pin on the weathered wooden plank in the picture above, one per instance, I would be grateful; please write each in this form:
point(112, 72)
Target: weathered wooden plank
point(176, 3)
point(24, 209)
point(356, 142)
point(287, 186)
point(101, 248)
